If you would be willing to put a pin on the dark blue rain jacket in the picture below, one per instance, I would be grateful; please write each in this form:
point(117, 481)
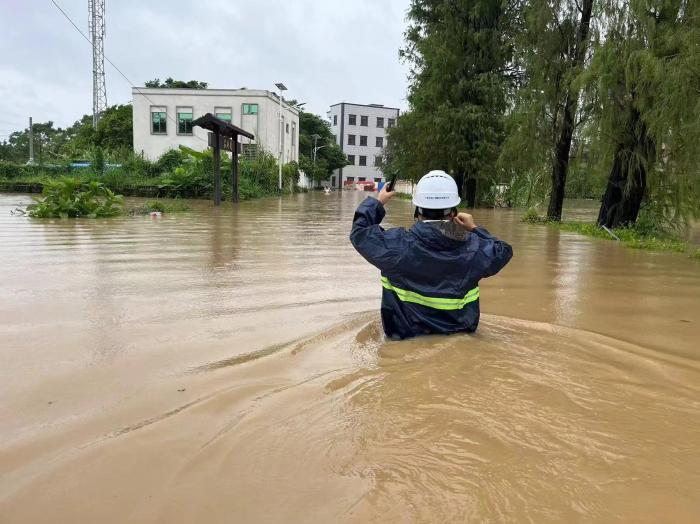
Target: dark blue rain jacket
point(430, 281)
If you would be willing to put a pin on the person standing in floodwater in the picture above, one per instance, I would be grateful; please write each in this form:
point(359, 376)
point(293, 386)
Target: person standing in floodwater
point(430, 272)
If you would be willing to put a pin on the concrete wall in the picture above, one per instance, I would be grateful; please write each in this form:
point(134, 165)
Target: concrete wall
point(341, 112)
point(264, 125)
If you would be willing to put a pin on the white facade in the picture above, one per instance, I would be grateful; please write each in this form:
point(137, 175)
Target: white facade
point(161, 114)
point(360, 131)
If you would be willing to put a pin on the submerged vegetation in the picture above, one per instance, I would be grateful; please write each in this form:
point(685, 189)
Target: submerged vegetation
point(179, 173)
point(159, 206)
point(73, 198)
point(642, 235)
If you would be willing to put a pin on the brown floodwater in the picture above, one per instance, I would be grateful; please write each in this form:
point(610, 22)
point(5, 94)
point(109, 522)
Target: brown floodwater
point(228, 365)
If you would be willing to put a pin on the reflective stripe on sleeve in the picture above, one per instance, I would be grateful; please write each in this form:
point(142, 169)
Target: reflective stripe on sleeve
point(433, 302)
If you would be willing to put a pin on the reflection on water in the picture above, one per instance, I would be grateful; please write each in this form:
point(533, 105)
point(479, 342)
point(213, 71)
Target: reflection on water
point(231, 362)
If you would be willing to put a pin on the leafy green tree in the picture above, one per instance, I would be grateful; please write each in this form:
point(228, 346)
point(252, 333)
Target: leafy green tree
point(459, 56)
point(647, 76)
point(329, 156)
point(550, 52)
point(115, 128)
point(182, 84)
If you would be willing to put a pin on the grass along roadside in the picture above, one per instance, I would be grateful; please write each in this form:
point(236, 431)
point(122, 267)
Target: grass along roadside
point(628, 236)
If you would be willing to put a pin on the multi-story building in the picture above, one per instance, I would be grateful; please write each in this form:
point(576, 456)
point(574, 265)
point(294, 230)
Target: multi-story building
point(163, 119)
point(360, 131)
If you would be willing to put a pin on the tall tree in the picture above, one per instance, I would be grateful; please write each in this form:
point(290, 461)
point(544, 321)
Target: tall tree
point(562, 148)
point(647, 74)
point(328, 155)
point(459, 60)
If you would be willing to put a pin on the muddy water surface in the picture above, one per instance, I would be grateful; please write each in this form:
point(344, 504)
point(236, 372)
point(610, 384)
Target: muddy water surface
point(228, 366)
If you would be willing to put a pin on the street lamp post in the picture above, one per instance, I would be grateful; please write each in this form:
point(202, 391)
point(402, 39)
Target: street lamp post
point(281, 87)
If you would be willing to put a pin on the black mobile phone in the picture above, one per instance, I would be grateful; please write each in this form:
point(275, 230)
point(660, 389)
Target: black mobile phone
point(390, 186)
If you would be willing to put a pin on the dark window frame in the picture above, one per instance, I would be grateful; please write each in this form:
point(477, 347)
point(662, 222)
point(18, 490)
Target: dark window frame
point(379, 141)
point(363, 140)
point(177, 118)
point(351, 160)
point(364, 120)
point(352, 120)
point(391, 122)
point(380, 122)
point(351, 140)
point(362, 160)
point(335, 120)
point(162, 122)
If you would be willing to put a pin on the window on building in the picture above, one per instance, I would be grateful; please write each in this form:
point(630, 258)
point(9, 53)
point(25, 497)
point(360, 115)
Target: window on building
point(223, 113)
point(377, 161)
point(351, 160)
point(286, 128)
point(351, 140)
point(335, 138)
point(250, 109)
point(294, 133)
point(184, 121)
point(379, 141)
point(364, 121)
point(391, 122)
point(363, 160)
point(380, 121)
point(361, 179)
point(158, 121)
point(350, 179)
point(335, 120)
point(352, 120)
point(363, 140)
point(377, 180)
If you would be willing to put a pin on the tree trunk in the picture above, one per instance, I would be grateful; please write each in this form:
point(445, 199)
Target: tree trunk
point(469, 191)
point(562, 149)
point(627, 182)
point(620, 208)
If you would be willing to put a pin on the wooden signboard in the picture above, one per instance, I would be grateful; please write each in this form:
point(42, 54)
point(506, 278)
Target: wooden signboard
point(225, 143)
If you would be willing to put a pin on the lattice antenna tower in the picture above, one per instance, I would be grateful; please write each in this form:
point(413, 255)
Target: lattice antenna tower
point(96, 25)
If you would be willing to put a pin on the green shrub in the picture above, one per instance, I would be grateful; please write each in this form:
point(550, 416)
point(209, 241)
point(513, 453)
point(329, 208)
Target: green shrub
point(159, 206)
point(11, 170)
point(169, 161)
point(533, 217)
point(73, 198)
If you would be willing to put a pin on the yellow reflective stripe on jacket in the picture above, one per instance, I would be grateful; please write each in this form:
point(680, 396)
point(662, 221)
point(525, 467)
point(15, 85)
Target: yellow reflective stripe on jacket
point(436, 303)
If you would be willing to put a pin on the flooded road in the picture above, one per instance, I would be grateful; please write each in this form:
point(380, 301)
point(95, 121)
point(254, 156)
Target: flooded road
point(228, 365)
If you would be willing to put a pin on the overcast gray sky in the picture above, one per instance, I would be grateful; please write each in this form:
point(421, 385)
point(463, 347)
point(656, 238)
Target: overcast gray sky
point(325, 51)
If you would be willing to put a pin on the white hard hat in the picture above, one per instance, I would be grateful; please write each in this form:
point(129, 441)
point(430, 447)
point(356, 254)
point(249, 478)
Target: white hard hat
point(436, 190)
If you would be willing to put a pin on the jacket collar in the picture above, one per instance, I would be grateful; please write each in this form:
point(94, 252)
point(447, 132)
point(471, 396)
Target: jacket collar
point(431, 234)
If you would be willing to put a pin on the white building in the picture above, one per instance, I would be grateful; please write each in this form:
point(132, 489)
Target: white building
point(360, 131)
point(163, 119)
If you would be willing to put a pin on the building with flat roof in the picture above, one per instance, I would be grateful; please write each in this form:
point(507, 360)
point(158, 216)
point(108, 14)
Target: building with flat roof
point(163, 119)
point(360, 131)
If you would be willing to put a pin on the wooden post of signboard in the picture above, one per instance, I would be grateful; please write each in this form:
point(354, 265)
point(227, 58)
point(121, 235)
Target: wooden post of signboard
point(217, 168)
point(234, 170)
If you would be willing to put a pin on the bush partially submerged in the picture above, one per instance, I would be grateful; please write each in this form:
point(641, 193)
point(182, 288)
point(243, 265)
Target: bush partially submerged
point(72, 198)
point(533, 217)
point(159, 206)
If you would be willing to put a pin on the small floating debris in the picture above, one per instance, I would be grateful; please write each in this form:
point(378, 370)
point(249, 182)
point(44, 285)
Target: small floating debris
point(155, 214)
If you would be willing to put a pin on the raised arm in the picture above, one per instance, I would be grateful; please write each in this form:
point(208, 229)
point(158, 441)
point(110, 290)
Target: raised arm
point(380, 248)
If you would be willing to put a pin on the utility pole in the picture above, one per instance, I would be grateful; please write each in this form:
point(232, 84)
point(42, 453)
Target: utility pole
point(31, 141)
point(281, 88)
point(96, 23)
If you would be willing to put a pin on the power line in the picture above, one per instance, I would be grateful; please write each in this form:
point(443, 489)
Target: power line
point(114, 66)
